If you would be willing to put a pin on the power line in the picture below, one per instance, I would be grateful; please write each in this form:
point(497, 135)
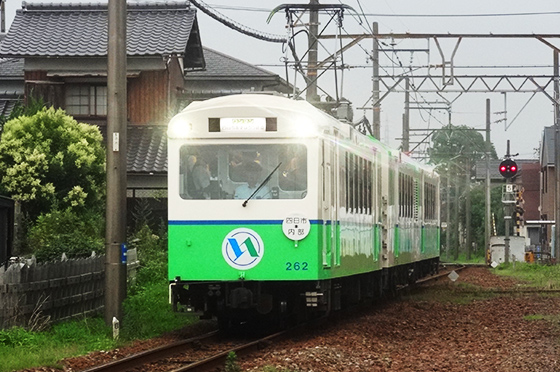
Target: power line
point(520, 14)
point(236, 25)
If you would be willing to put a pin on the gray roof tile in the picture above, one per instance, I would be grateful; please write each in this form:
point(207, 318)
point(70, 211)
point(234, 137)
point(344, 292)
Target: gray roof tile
point(81, 29)
point(11, 68)
point(219, 65)
point(147, 149)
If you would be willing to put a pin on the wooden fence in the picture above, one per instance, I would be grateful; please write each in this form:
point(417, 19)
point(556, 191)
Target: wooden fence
point(32, 295)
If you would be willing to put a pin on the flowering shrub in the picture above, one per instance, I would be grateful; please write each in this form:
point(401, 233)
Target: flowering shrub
point(50, 161)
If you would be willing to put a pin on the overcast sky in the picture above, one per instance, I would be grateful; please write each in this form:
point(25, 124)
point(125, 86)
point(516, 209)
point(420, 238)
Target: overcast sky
point(414, 16)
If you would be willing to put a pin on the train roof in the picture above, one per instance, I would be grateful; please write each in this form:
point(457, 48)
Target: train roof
point(294, 118)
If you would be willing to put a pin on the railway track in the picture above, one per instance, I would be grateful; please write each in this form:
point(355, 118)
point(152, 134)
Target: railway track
point(203, 353)
point(154, 355)
point(207, 352)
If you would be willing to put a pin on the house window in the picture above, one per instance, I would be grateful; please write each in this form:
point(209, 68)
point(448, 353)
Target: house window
point(87, 100)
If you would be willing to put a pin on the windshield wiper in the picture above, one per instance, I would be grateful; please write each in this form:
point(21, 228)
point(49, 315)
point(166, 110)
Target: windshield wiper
point(262, 184)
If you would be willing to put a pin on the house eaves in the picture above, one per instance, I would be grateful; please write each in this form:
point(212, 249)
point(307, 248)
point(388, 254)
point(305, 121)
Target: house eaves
point(80, 30)
point(220, 66)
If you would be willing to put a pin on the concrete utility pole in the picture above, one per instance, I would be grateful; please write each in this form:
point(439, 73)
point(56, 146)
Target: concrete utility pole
point(456, 218)
point(448, 211)
point(375, 78)
point(487, 224)
point(311, 95)
point(406, 118)
point(3, 16)
point(468, 207)
point(556, 157)
point(115, 236)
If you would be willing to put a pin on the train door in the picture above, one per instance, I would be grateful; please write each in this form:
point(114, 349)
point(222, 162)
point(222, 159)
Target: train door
point(335, 237)
point(331, 250)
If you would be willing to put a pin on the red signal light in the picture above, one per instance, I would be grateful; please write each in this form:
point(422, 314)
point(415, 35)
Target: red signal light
point(508, 168)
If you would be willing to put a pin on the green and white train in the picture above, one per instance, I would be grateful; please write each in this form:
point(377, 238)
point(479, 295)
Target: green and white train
point(336, 217)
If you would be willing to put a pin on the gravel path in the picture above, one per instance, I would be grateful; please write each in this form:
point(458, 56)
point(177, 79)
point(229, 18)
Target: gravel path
point(466, 329)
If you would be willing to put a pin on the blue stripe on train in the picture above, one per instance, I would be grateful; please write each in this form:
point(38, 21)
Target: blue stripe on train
point(233, 222)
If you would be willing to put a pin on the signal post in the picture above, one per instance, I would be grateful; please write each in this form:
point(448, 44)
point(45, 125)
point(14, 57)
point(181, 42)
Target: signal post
point(508, 170)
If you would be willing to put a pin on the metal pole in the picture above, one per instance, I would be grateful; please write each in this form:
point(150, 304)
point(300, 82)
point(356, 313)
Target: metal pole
point(456, 219)
point(448, 212)
point(468, 207)
point(556, 158)
point(311, 95)
point(507, 216)
point(406, 118)
point(115, 236)
point(487, 225)
point(376, 104)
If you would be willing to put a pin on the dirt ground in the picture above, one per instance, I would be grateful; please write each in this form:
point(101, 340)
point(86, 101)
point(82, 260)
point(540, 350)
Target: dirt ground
point(443, 326)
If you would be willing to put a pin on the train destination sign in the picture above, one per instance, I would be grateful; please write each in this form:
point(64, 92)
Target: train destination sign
point(242, 124)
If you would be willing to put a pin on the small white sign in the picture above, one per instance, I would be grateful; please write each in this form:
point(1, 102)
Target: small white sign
point(116, 141)
point(115, 328)
point(453, 276)
point(296, 226)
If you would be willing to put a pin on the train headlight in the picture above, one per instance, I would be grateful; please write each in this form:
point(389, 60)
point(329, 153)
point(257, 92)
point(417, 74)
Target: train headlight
point(179, 129)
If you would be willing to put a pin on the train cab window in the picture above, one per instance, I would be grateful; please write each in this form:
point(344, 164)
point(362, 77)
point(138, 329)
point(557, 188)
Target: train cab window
point(217, 171)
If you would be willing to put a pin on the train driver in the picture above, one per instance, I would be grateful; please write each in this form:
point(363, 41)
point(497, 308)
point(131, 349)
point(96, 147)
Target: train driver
point(253, 175)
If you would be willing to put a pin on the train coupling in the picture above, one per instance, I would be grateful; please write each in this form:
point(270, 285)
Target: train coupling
point(315, 299)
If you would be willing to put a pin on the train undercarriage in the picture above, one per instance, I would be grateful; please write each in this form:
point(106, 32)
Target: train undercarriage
point(291, 302)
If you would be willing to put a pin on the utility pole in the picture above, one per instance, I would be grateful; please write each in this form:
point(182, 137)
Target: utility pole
point(448, 211)
point(3, 16)
point(456, 219)
point(375, 95)
point(115, 236)
point(556, 158)
point(507, 213)
point(311, 95)
point(487, 225)
point(406, 118)
point(468, 206)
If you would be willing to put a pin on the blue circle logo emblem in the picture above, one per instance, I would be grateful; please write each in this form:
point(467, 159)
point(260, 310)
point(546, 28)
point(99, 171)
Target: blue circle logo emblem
point(243, 248)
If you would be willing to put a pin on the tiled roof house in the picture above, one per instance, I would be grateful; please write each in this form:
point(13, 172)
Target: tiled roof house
point(59, 52)
point(226, 75)
point(11, 84)
point(63, 51)
point(64, 48)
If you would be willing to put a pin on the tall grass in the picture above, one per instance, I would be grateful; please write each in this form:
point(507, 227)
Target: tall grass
point(21, 349)
point(540, 276)
point(146, 314)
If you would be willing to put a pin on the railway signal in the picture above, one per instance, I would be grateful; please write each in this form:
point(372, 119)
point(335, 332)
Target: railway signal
point(508, 168)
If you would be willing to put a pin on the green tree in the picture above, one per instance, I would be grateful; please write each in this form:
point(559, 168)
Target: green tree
point(456, 150)
point(454, 145)
point(31, 108)
point(49, 161)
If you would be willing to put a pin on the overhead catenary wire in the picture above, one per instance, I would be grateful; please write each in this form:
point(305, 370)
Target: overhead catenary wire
point(236, 25)
point(431, 15)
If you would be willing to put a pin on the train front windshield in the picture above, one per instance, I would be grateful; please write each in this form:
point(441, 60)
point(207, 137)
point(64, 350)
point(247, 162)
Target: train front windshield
point(271, 171)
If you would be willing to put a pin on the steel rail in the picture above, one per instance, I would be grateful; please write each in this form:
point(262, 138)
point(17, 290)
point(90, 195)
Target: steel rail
point(151, 355)
point(218, 360)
